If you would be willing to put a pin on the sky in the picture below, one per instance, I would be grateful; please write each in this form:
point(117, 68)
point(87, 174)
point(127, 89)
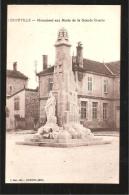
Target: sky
point(96, 26)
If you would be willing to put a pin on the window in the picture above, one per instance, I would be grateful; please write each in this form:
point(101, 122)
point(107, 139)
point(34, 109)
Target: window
point(94, 110)
point(89, 83)
point(17, 103)
point(50, 84)
point(105, 86)
point(10, 90)
point(105, 111)
point(83, 109)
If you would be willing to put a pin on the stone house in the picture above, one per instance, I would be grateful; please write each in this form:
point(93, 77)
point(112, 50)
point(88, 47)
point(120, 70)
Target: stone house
point(97, 85)
point(15, 80)
point(22, 109)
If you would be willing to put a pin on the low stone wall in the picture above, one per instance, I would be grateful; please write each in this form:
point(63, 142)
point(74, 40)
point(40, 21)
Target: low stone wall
point(99, 124)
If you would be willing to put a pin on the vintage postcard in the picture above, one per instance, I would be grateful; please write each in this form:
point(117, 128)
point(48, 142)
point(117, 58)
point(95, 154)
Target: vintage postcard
point(63, 94)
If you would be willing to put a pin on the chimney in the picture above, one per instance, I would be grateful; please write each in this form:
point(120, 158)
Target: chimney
point(79, 54)
point(45, 57)
point(15, 66)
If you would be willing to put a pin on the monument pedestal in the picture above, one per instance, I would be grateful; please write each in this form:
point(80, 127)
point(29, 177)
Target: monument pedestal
point(52, 120)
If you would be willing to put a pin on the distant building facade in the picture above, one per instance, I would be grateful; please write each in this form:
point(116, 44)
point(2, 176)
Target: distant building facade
point(22, 109)
point(22, 104)
point(15, 80)
point(97, 85)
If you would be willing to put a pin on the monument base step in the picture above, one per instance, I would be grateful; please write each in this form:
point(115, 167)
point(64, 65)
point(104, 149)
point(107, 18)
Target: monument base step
point(70, 143)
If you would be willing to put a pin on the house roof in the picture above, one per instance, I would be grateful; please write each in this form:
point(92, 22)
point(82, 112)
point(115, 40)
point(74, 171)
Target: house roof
point(96, 67)
point(16, 74)
point(114, 67)
point(46, 71)
point(109, 69)
point(23, 89)
point(16, 92)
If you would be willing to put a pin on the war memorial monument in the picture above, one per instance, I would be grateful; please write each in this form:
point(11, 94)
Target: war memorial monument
point(62, 128)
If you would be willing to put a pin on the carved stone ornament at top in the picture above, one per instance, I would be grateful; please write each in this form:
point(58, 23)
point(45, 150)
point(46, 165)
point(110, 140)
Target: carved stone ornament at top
point(79, 44)
point(62, 34)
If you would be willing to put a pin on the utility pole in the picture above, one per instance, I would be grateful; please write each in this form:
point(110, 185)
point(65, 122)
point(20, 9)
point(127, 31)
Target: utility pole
point(35, 70)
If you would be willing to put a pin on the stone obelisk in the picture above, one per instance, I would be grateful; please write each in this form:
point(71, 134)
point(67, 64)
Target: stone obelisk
point(64, 87)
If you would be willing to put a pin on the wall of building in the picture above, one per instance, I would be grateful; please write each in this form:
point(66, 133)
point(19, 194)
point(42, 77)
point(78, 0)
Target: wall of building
point(44, 85)
point(31, 108)
point(10, 121)
point(98, 123)
point(116, 107)
point(42, 111)
point(96, 95)
point(97, 86)
point(16, 84)
point(28, 110)
point(117, 102)
point(44, 90)
point(117, 87)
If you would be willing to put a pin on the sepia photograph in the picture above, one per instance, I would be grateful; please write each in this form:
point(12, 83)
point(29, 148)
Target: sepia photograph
point(63, 94)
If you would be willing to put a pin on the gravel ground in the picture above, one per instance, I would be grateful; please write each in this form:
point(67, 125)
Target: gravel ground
point(85, 164)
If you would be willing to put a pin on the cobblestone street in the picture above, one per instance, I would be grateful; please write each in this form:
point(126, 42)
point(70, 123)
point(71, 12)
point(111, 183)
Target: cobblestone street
point(85, 164)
